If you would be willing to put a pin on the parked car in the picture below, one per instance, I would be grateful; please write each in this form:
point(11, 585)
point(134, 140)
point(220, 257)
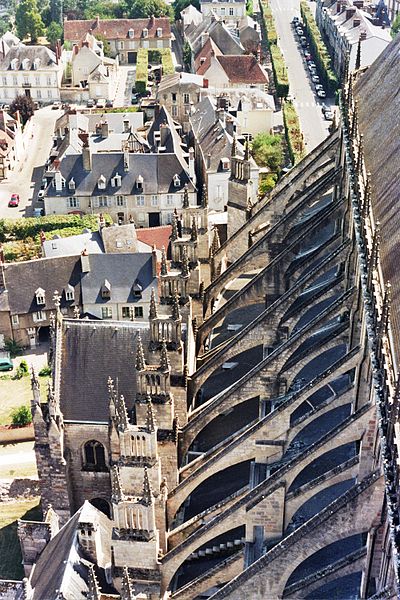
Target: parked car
point(14, 200)
point(328, 115)
point(315, 78)
point(299, 32)
point(312, 65)
point(101, 103)
point(295, 20)
point(6, 364)
point(307, 55)
point(90, 103)
point(109, 104)
point(321, 94)
point(56, 105)
point(318, 87)
point(135, 99)
point(324, 107)
point(40, 196)
point(38, 212)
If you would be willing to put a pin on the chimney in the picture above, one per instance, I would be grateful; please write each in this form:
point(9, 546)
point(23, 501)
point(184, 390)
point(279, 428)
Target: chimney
point(204, 37)
point(104, 129)
point(164, 131)
point(85, 263)
point(97, 21)
point(208, 161)
point(152, 21)
point(229, 126)
point(350, 12)
point(192, 173)
point(205, 83)
point(154, 260)
point(86, 152)
point(102, 221)
point(75, 49)
point(363, 36)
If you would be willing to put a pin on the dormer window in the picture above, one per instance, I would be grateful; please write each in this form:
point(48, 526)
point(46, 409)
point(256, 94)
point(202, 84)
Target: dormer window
point(36, 63)
point(131, 33)
point(137, 289)
point(26, 64)
point(71, 184)
point(145, 32)
point(40, 297)
point(139, 183)
point(106, 290)
point(69, 293)
point(116, 180)
point(102, 182)
point(225, 164)
point(159, 32)
point(14, 64)
point(177, 181)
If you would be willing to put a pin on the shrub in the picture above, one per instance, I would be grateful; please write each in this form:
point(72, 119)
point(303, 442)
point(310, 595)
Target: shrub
point(166, 61)
point(320, 52)
point(293, 133)
point(280, 72)
point(45, 371)
point(12, 347)
point(267, 151)
point(141, 70)
point(21, 229)
point(267, 184)
point(22, 370)
point(21, 416)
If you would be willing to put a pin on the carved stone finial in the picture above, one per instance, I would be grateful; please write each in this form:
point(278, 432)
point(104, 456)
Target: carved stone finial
point(164, 266)
point(176, 313)
point(147, 493)
point(153, 305)
point(127, 591)
point(174, 232)
point(140, 361)
point(116, 486)
point(185, 262)
point(204, 196)
point(164, 359)
point(193, 231)
point(185, 202)
point(150, 421)
point(93, 585)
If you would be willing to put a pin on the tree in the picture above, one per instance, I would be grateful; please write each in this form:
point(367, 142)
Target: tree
point(395, 26)
point(53, 33)
point(106, 44)
point(56, 11)
point(24, 105)
point(179, 5)
point(21, 416)
point(267, 151)
point(28, 20)
point(187, 55)
point(140, 9)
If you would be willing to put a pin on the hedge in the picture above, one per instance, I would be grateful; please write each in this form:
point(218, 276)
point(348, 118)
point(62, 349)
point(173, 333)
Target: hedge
point(278, 62)
point(141, 70)
point(320, 52)
point(293, 133)
point(21, 229)
point(166, 61)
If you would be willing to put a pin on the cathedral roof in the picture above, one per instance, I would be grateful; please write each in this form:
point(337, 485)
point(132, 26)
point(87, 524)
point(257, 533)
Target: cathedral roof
point(378, 93)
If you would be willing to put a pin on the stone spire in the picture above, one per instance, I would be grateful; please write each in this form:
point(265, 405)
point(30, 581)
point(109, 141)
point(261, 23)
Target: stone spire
point(185, 202)
point(204, 196)
point(150, 422)
point(147, 493)
point(127, 591)
point(93, 585)
point(164, 359)
point(164, 266)
point(140, 362)
point(358, 57)
point(233, 148)
point(153, 306)
point(174, 232)
point(185, 262)
point(193, 231)
point(247, 150)
point(121, 413)
point(116, 486)
point(176, 313)
point(216, 244)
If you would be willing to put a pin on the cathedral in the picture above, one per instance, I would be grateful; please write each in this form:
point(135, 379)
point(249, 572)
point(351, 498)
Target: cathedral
point(244, 443)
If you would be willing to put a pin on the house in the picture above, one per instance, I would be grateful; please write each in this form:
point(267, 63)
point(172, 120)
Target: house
point(125, 36)
point(348, 28)
point(251, 108)
point(143, 181)
point(28, 296)
point(179, 93)
point(249, 34)
point(12, 143)
point(118, 286)
point(213, 131)
point(228, 10)
point(226, 40)
point(92, 70)
point(234, 71)
point(190, 15)
point(35, 71)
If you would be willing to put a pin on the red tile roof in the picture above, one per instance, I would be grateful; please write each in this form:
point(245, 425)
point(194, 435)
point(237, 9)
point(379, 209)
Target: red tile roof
point(208, 50)
point(243, 69)
point(159, 236)
point(113, 29)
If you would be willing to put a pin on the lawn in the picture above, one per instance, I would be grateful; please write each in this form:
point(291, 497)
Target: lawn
point(10, 552)
point(15, 393)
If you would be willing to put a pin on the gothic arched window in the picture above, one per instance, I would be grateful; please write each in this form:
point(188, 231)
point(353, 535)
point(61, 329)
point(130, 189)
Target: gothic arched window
point(94, 458)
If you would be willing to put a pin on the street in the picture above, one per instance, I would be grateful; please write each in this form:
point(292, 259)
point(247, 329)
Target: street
point(313, 125)
point(25, 180)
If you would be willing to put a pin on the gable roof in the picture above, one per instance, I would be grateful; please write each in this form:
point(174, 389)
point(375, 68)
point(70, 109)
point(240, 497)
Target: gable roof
point(377, 91)
point(203, 60)
point(226, 41)
point(243, 69)
point(157, 236)
point(114, 29)
point(21, 52)
point(24, 278)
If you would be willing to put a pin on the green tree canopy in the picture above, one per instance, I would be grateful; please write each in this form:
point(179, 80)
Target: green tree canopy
point(53, 33)
point(140, 9)
point(28, 20)
point(395, 26)
point(24, 105)
point(187, 55)
point(267, 151)
point(106, 44)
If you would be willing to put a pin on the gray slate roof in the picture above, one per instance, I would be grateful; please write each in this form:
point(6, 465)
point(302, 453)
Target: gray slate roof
point(50, 274)
point(21, 52)
point(121, 270)
point(91, 352)
point(74, 245)
point(157, 171)
point(226, 41)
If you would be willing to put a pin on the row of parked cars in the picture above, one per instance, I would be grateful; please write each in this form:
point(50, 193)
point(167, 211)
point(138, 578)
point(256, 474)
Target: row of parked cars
point(311, 66)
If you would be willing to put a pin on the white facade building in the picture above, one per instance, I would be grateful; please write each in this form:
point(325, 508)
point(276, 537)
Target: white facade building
point(227, 10)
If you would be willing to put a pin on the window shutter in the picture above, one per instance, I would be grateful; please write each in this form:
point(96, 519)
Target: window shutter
point(109, 201)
